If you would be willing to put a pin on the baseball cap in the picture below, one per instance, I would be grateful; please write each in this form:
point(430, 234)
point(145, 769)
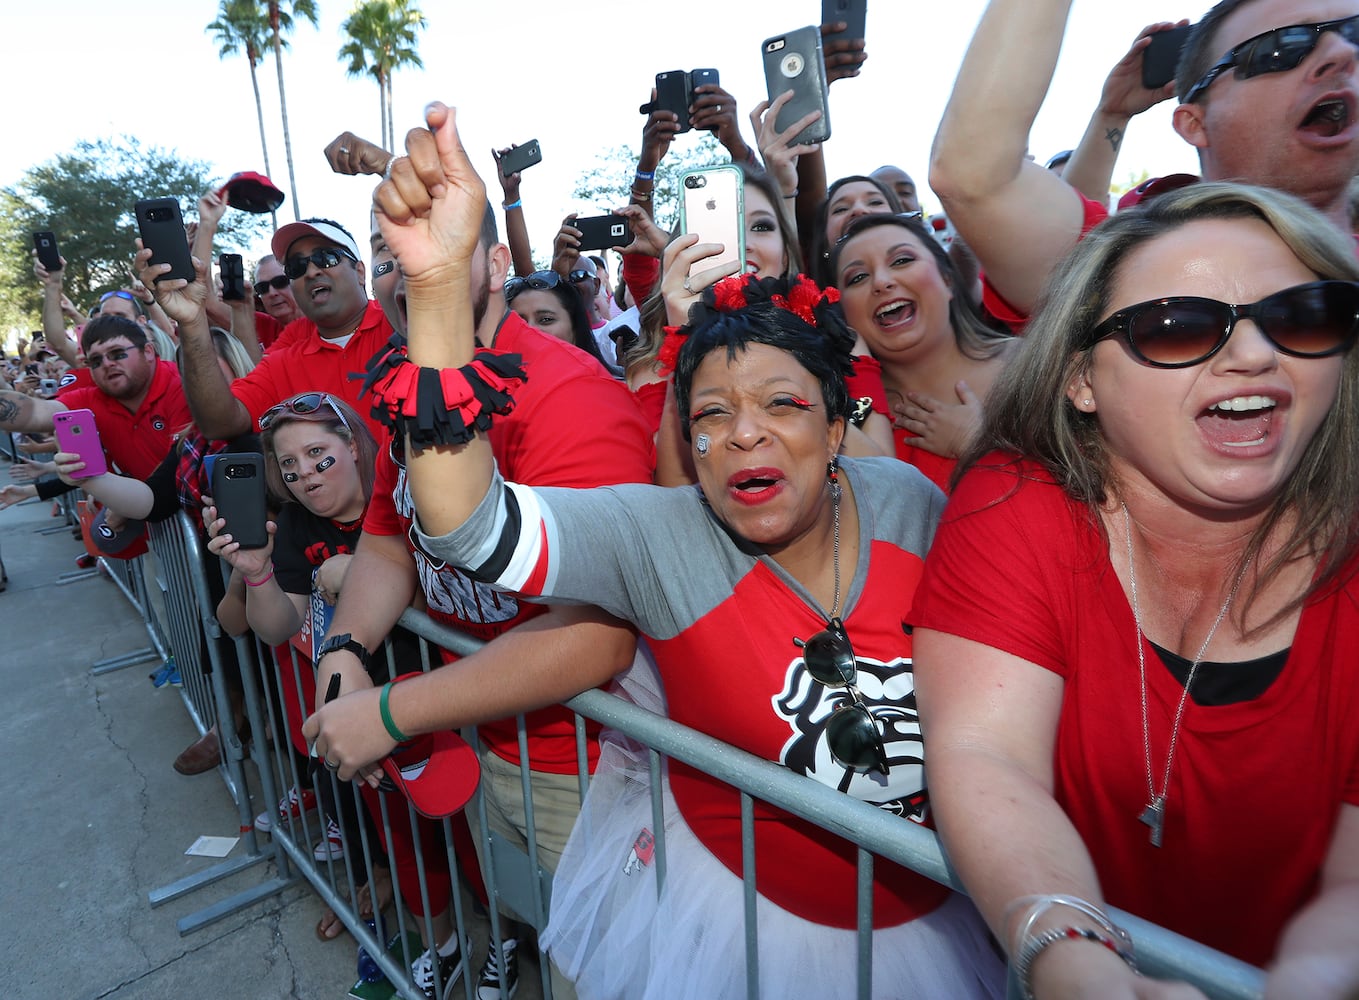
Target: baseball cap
point(325, 229)
point(1151, 188)
point(437, 772)
point(251, 192)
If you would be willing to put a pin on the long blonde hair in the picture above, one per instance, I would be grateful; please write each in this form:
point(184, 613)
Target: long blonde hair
point(1028, 413)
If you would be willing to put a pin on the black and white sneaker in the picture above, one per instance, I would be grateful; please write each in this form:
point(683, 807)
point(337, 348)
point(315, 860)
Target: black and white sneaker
point(450, 969)
point(499, 979)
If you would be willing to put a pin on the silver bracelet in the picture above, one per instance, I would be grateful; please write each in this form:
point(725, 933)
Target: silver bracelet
point(1120, 944)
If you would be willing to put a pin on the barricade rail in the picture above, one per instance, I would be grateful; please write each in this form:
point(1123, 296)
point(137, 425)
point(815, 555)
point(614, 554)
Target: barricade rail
point(278, 691)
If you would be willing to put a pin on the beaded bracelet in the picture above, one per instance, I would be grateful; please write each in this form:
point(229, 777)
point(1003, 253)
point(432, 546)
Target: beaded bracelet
point(387, 721)
point(1036, 945)
point(269, 576)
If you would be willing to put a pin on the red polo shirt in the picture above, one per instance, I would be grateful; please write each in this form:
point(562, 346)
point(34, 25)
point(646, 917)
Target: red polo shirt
point(137, 442)
point(305, 362)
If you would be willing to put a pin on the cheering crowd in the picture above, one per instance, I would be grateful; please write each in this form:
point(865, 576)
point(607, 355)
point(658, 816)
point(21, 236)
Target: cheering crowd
point(1071, 496)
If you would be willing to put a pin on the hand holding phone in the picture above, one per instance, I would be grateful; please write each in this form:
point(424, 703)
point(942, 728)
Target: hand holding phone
point(232, 270)
point(794, 62)
point(520, 158)
point(77, 434)
point(46, 244)
point(238, 494)
point(601, 232)
point(1161, 57)
point(162, 230)
point(712, 205)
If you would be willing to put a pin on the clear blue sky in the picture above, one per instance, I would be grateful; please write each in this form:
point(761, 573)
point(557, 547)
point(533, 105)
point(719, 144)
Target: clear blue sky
point(570, 75)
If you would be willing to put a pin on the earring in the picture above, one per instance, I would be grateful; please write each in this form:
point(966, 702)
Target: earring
point(1088, 401)
point(833, 478)
point(701, 445)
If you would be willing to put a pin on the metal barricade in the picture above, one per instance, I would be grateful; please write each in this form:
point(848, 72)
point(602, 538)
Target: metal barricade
point(279, 692)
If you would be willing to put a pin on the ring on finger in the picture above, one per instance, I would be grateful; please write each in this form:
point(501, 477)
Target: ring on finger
point(344, 150)
point(333, 765)
point(688, 287)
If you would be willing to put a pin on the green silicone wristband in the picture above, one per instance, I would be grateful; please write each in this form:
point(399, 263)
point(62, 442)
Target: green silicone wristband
point(387, 720)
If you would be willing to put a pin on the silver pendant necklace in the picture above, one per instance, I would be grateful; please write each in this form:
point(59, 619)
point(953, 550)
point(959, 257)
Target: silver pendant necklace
point(1154, 815)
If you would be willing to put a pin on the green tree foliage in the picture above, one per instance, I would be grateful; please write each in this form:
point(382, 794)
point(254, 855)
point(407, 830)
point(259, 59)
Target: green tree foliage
point(608, 182)
point(87, 198)
point(382, 39)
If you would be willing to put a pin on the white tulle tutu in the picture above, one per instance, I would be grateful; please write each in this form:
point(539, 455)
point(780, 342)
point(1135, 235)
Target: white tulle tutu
point(618, 939)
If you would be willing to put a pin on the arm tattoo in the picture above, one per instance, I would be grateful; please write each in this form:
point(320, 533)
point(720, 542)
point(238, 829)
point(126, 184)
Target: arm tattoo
point(9, 410)
point(1115, 137)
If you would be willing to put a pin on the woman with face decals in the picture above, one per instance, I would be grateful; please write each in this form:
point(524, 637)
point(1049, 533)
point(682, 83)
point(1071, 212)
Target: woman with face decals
point(1138, 633)
point(784, 561)
point(898, 291)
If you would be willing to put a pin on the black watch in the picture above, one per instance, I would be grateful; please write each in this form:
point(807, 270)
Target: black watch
point(344, 641)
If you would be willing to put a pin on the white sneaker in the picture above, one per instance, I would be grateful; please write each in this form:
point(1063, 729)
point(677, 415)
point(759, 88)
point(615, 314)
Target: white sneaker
point(332, 847)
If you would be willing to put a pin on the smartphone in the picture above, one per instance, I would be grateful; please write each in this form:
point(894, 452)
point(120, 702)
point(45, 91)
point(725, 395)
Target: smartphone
point(712, 204)
point(76, 432)
point(232, 269)
point(673, 94)
point(46, 245)
point(239, 495)
point(854, 13)
point(521, 157)
point(48, 387)
point(795, 62)
point(162, 232)
point(599, 232)
point(1162, 56)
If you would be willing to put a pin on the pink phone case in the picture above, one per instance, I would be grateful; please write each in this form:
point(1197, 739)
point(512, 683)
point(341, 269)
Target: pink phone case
point(76, 432)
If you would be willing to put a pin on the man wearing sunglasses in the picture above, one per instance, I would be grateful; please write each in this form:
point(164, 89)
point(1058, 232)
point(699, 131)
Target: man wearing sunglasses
point(1269, 93)
point(137, 400)
point(340, 330)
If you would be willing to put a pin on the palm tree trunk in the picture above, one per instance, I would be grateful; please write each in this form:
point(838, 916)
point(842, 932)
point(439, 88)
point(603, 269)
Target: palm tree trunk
point(259, 113)
point(391, 122)
point(283, 107)
point(382, 118)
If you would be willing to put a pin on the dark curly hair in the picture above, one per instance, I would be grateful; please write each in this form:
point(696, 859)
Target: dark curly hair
point(794, 316)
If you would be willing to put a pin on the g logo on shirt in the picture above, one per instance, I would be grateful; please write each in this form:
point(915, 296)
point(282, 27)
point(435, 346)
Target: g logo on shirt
point(158, 423)
point(889, 691)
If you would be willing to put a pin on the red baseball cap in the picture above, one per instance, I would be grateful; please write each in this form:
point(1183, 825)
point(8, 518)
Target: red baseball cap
point(1157, 185)
point(437, 772)
point(251, 192)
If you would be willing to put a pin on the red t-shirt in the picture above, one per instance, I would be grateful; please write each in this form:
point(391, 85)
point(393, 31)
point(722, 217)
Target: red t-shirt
point(307, 363)
point(936, 468)
point(267, 329)
point(572, 425)
point(1256, 786)
point(137, 442)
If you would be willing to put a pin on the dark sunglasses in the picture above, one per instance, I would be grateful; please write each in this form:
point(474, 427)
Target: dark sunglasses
point(279, 281)
point(576, 277)
point(119, 294)
point(1306, 321)
point(96, 361)
point(537, 281)
point(852, 734)
point(1275, 51)
point(301, 405)
point(326, 257)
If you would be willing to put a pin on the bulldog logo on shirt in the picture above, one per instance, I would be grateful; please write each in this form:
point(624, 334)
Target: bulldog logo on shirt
point(888, 689)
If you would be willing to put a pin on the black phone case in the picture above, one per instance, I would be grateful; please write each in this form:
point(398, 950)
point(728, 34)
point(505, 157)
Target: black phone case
point(162, 232)
point(600, 232)
point(1162, 56)
point(673, 94)
point(794, 61)
point(46, 245)
point(238, 492)
point(232, 269)
point(521, 157)
point(853, 12)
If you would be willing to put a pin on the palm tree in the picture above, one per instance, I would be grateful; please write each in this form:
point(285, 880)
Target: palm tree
point(281, 21)
point(383, 36)
point(242, 26)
